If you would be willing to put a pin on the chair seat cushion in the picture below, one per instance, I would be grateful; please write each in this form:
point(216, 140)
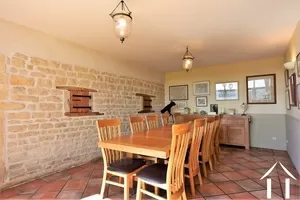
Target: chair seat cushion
point(126, 165)
point(155, 173)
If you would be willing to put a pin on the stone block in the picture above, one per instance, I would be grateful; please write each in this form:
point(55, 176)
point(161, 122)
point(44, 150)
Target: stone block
point(17, 62)
point(80, 69)
point(45, 83)
point(38, 61)
point(11, 106)
point(21, 80)
point(47, 107)
point(2, 63)
point(25, 98)
point(18, 115)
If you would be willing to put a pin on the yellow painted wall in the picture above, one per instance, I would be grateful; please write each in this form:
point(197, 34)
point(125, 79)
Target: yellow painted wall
point(232, 72)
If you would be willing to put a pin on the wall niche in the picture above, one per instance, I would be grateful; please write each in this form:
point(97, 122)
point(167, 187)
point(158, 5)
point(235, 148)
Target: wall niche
point(79, 102)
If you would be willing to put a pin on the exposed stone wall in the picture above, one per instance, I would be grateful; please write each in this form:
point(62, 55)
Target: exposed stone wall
point(38, 139)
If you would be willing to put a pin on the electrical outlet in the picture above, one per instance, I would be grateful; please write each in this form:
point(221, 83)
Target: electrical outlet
point(287, 141)
point(273, 138)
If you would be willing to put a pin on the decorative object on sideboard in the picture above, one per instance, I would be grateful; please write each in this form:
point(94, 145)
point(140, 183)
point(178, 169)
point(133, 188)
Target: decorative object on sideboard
point(261, 89)
point(244, 107)
point(203, 112)
point(286, 77)
point(227, 91)
point(298, 95)
point(287, 99)
point(201, 101)
point(289, 65)
point(214, 108)
point(298, 64)
point(231, 111)
point(187, 60)
point(178, 92)
point(201, 88)
point(122, 21)
point(147, 103)
point(293, 90)
point(168, 108)
point(222, 110)
point(187, 110)
point(79, 101)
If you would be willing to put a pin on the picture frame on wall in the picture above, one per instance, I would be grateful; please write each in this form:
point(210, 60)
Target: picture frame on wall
point(261, 89)
point(227, 91)
point(298, 95)
point(293, 89)
point(201, 101)
point(181, 105)
point(287, 100)
point(298, 64)
point(201, 88)
point(178, 92)
point(286, 77)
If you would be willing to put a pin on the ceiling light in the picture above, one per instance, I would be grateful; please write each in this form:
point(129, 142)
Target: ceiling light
point(289, 65)
point(122, 21)
point(187, 60)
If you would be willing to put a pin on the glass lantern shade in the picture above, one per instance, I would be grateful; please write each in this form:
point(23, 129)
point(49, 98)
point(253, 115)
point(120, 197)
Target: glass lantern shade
point(187, 63)
point(122, 25)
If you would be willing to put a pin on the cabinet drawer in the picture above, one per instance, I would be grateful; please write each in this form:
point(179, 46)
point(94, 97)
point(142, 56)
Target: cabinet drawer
point(240, 122)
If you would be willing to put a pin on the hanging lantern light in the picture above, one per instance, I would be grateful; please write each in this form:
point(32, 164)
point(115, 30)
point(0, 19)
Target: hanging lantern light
point(122, 21)
point(187, 60)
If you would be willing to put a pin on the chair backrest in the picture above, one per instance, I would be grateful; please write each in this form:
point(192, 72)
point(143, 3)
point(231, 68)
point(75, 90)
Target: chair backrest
point(178, 118)
point(109, 129)
point(218, 130)
point(179, 145)
point(198, 132)
point(206, 146)
point(165, 119)
point(137, 124)
point(214, 133)
point(152, 121)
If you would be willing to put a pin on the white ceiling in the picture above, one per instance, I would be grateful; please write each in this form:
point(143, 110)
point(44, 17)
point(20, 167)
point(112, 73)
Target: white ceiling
point(217, 31)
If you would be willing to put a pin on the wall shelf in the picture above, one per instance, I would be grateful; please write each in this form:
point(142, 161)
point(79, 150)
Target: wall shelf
point(147, 107)
point(79, 101)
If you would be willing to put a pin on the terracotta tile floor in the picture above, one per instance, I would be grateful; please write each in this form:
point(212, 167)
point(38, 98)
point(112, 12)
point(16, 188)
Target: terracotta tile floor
point(236, 176)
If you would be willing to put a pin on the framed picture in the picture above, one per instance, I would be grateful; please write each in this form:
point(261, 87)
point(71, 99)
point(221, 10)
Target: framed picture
point(261, 89)
point(298, 95)
point(178, 92)
point(201, 101)
point(181, 105)
point(298, 64)
point(293, 90)
point(287, 100)
point(286, 77)
point(201, 88)
point(227, 91)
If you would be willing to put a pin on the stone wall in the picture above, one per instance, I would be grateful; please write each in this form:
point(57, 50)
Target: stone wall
point(36, 137)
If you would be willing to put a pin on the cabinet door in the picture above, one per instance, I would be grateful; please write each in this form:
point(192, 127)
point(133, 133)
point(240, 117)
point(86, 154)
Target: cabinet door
point(236, 135)
point(223, 134)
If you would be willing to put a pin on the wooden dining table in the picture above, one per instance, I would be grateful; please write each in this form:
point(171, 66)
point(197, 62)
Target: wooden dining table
point(154, 143)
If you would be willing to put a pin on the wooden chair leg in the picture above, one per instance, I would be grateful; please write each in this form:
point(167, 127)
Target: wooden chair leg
point(138, 191)
point(200, 178)
point(204, 169)
point(183, 196)
point(103, 185)
point(192, 184)
point(126, 188)
point(210, 164)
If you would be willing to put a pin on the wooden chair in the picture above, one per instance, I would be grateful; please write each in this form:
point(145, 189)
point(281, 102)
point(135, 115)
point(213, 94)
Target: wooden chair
point(152, 121)
point(168, 177)
point(215, 137)
point(178, 118)
point(165, 119)
point(205, 152)
point(115, 163)
point(137, 125)
point(192, 157)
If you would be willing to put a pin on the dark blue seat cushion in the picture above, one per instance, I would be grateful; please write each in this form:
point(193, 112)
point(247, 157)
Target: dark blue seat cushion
point(155, 173)
point(126, 165)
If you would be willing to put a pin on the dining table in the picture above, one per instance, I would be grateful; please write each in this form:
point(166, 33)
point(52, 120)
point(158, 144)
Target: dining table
point(155, 142)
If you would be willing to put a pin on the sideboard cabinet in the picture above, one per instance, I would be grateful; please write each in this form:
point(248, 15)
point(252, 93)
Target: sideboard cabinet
point(234, 129)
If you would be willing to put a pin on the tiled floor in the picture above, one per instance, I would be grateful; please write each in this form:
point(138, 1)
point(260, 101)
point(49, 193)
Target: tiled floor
point(236, 176)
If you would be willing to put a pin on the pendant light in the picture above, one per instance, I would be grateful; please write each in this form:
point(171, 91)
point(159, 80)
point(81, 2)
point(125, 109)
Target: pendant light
point(187, 60)
point(122, 21)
